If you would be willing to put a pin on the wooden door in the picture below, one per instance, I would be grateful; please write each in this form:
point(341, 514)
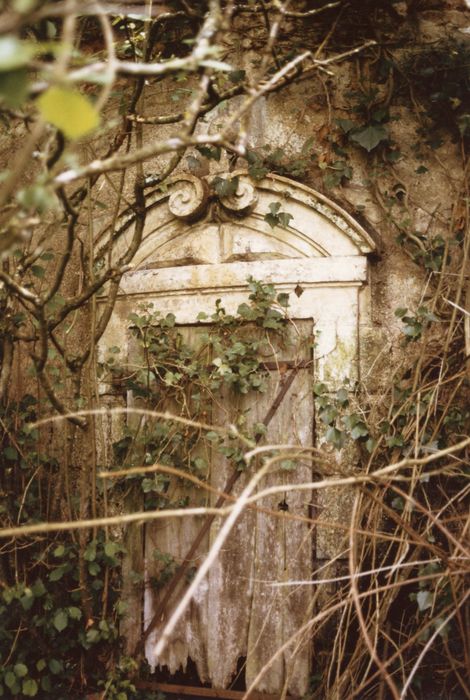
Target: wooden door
point(239, 617)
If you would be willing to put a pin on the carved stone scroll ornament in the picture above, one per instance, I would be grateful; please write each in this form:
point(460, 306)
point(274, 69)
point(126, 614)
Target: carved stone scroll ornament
point(243, 201)
point(189, 198)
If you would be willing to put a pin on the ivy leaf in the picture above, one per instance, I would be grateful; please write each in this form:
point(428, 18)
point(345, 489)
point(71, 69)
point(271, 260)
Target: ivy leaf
point(10, 453)
point(336, 437)
point(38, 588)
point(90, 551)
point(319, 388)
point(92, 636)
point(57, 573)
point(284, 219)
point(93, 567)
point(236, 76)
point(61, 620)
point(370, 136)
point(400, 312)
point(59, 551)
point(10, 681)
point(345, 124)
point(20, 670)
point(211, 153)
point(14, 87)
point(225, 187)
point(342, 396)
point(75, 613)
point(328, 415)
point(424, 600)
point(271, 219)
point(55, 666)
point(359, 430)
point(30, 688)
point(69, 111)
point(111, 548)
point(38, 271)
point(274, 207)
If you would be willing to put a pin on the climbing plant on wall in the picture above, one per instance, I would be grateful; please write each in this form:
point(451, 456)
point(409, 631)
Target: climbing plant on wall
point(85, 134)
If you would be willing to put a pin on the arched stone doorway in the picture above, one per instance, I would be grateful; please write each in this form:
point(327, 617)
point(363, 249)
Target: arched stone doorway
point(199, 246)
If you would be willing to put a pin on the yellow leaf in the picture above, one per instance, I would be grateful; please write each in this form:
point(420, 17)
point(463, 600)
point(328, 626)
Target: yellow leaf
point(69, 111)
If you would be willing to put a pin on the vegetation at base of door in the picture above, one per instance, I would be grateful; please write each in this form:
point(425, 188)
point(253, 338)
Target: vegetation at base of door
point(47, 640)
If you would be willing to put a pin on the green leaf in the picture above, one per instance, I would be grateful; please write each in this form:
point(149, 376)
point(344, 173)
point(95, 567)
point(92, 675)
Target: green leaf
point(10, 453)
point(55, 666)
point(345, 124)
point(14, 53)
point(10, 680)
point(225, 187)
point(424, 600)
point(284, 219)
point(201, 464)
point(38, 588)
point(14, 87)
point(69, 111)
point(38, 271)
point(359, 430)
point(369, 137)
point(92, 636)
point(27, 600)
point(398, 503)
point(111, 548)
point(93, 567)
point(271, 219)
point(336, 437)
point(41, 665)
point(30, 688)
point(400, 312)
point(236, 76)
point(57, 573)
point(212, 153)
point(328, 415)
point(59, 551)
point(90, 551)
point(61, 620)
point(74, 612)
point(46, 683)
point(20, 670)
point(319, 388)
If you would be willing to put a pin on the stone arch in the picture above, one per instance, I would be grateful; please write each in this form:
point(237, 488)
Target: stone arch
point(189, 224)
